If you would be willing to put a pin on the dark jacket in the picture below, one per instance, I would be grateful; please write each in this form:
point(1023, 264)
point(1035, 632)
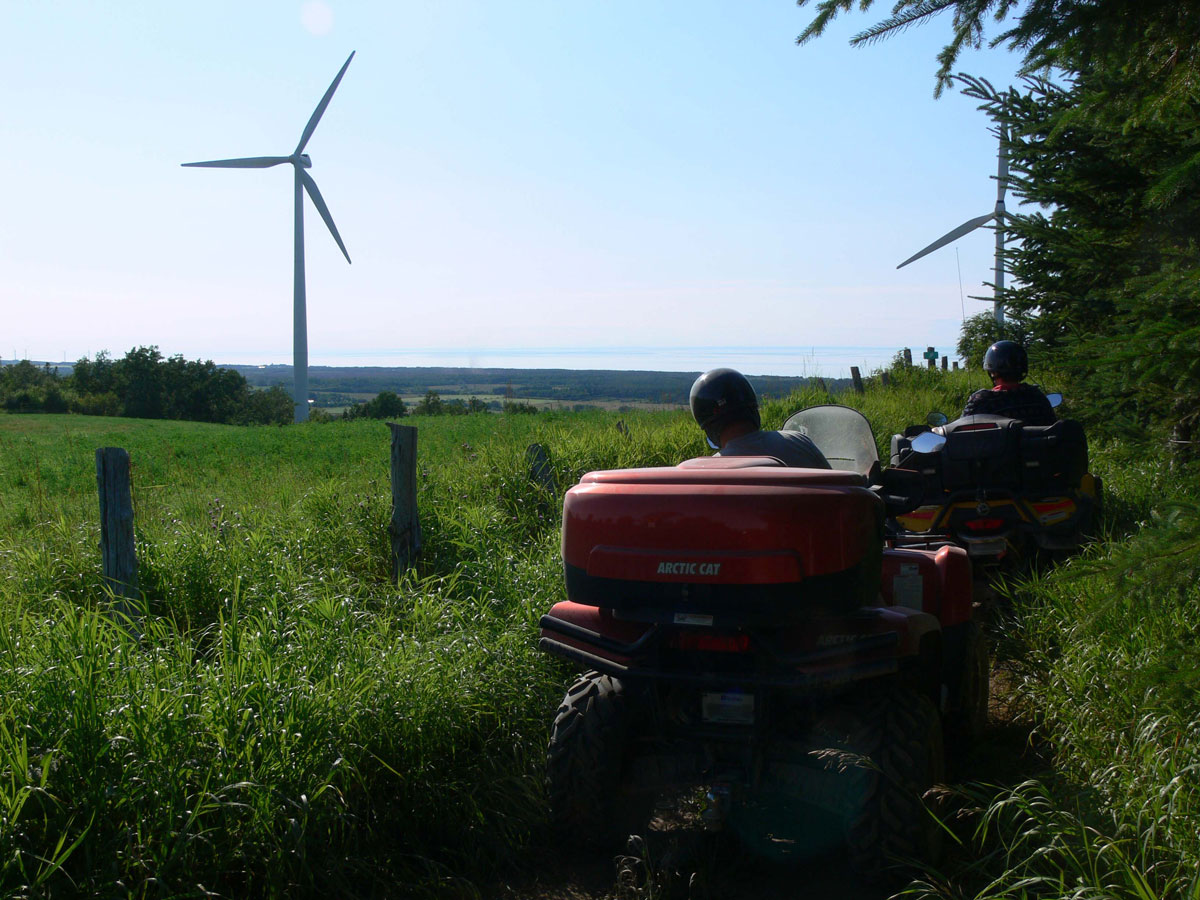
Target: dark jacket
point(1013, 400)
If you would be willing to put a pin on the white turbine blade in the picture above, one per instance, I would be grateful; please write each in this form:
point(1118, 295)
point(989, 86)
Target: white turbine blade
point(950, 237)
point(320, 110)
point(249, 162)
point(319, 203)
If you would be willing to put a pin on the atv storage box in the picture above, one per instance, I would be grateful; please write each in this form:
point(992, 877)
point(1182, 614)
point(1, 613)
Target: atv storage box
point(738, 537)
point(999, 453)
point(1054, 457)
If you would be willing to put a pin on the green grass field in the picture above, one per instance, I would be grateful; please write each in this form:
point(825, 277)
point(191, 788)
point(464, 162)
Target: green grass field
point(287, 722)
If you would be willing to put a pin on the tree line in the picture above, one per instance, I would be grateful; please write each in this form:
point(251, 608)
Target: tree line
point(389, 405)
point(500, 385)
point(144, 384)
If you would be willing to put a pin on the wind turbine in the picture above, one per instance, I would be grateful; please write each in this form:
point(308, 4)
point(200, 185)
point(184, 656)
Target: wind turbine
point(971, 224)
point(303, 182)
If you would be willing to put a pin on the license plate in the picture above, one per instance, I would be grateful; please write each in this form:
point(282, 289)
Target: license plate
point(727, 708)
point(983, 547)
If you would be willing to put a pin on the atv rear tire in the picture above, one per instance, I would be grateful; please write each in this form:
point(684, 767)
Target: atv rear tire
point(967, 715)
point(898, 736)
point(587, 762)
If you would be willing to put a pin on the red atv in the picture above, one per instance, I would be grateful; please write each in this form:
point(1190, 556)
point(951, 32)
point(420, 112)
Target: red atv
point(746, 633)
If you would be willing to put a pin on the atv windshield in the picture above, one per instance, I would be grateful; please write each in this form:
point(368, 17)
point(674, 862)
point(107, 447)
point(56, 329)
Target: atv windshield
point(842, 434)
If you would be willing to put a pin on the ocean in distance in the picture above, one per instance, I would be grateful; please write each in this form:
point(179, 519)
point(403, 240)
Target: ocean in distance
point(825, 362)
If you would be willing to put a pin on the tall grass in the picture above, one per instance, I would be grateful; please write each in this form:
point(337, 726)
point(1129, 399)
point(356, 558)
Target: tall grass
point(1108, 674)
point(284, 721)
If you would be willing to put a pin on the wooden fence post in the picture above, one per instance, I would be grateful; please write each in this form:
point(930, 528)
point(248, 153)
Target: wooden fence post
point(119, 559)
point(945, 362)
point(885, 379)
point(540, 473)
point(956, 365)
point(857, 377)
point(405, 529)
point(908, 356)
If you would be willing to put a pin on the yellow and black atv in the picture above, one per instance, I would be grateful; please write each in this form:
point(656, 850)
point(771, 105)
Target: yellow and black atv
point(997, 487)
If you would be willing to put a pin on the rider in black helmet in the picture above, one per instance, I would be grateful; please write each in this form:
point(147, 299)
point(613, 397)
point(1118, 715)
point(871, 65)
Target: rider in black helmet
point(726, 407)
point(1006, 363)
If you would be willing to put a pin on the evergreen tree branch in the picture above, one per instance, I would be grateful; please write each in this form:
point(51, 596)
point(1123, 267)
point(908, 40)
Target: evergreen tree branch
point(827, 11)
point(902, 19)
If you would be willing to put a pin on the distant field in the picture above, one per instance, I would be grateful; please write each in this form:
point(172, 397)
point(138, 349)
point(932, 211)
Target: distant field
point(340, 404)
point(543, 386)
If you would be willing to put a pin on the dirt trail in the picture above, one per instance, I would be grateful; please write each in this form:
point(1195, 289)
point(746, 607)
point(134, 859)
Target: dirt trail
point(678, 860)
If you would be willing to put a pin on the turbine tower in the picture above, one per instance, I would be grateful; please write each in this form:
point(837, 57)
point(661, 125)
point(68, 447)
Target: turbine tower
point(972, 224)
point(303, 182)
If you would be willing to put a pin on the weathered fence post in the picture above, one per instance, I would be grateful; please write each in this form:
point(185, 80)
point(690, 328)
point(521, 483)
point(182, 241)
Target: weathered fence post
point(857, 378)
point(956, 365)
point(908, 356)
point(405, 529)
point(945, 362)
point(119, 560)
point(885, 379)
point(540, 473)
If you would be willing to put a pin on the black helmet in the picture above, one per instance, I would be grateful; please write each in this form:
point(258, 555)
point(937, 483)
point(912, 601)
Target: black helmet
point(720, 397)
point(1006, 359)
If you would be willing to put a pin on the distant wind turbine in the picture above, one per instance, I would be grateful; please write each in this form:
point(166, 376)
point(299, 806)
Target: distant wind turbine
point(971, 224)
point(304, 182)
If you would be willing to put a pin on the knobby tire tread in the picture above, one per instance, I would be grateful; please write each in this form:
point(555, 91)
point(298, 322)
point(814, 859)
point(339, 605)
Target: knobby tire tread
point(585, 764)
point(901, 732)
point(967, 718)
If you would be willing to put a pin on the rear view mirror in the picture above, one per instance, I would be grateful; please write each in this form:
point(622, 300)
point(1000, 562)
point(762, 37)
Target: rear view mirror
point(928, 442)
point(936, 418)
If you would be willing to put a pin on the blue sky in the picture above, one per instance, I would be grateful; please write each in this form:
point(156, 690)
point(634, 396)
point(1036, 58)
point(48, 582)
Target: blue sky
point(557, 176)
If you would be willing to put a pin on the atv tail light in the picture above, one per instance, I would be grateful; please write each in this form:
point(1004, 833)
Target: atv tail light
point(983, 524)
point(719, 643)
point(979, 426)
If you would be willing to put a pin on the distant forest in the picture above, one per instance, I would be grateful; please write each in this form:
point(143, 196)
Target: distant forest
point(329, 383)
point(145, 384)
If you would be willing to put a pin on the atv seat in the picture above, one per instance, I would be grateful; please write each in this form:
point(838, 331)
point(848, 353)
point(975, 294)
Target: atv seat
point(730, 462)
